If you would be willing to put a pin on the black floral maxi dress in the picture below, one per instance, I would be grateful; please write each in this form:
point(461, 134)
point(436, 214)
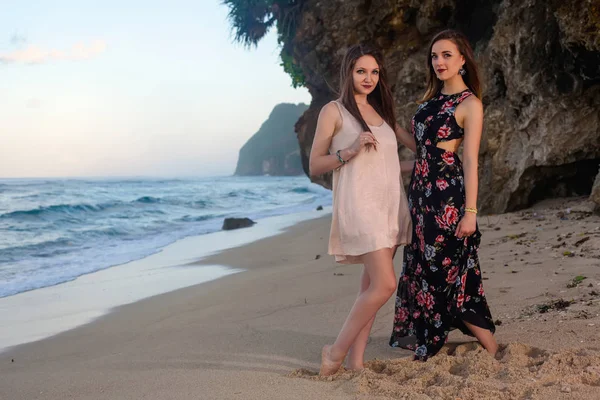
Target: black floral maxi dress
point(440, 285)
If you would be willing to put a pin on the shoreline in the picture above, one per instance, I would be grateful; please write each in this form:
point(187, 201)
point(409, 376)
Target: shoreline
point(131, 224)
point(50, 310)
point(258, 334)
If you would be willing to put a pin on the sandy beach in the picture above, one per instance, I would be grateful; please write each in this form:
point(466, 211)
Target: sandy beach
point(258, 334)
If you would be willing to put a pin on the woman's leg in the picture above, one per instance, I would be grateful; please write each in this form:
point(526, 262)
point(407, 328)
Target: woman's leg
point(379, 267)
point(485, 337)
point(356, 355)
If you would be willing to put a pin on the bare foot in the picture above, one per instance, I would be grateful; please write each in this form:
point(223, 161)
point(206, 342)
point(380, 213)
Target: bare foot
point(493, 349)
point(328, 366)
point(354, 367)
point(354, 363)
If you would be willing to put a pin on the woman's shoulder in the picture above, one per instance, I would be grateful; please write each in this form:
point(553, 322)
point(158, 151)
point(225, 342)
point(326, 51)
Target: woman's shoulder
point(331, 108)
point(470, 106)
point(333, 104)
point(332, 111)
point(469, 101)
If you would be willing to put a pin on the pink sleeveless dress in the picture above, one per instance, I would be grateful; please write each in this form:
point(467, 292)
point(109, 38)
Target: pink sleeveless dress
point(370, 208)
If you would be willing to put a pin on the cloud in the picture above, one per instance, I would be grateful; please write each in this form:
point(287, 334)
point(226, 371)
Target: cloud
point(36, 55)
point(17, 39)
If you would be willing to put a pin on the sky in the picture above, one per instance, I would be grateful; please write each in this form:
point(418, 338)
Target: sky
point(130, 88)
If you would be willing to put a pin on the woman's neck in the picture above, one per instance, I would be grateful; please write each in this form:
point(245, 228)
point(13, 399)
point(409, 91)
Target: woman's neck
point(454, 85)
point(361, 99)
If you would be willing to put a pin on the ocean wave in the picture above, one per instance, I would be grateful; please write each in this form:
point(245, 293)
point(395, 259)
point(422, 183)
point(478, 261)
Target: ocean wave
point(313, 189)
point(200, 204)
point(301, 190)
point(36, 250)
point(148, 200)
point(192, 218)
point(67, 243)
point(56, 230)
point(195, 204)
point(71, 210)
point(242, 193)
point(57, 209)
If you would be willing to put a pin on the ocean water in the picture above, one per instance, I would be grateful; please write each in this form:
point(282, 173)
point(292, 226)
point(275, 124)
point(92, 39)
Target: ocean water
point(54, 230)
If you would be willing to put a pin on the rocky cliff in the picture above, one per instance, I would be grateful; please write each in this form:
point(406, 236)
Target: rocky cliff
point(273, 150)
point(540, 64)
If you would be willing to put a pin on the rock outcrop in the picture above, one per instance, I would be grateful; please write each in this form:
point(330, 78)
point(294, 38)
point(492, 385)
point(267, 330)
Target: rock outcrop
point(539, 61)
point(236, 223)
point(595, 196)
point(273, 150)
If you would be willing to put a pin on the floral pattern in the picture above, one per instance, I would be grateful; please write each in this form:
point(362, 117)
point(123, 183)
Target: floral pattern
point(440, 286)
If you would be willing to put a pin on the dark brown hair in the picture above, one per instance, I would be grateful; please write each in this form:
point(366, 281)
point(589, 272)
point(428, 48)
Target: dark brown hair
point(380, 98)
point(471, 78)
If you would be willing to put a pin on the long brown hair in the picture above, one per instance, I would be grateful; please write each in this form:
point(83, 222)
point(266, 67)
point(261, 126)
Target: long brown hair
point(471, 78)
point(380, 98)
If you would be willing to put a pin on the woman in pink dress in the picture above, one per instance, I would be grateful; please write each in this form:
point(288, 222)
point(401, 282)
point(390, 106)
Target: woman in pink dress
point(357, 137)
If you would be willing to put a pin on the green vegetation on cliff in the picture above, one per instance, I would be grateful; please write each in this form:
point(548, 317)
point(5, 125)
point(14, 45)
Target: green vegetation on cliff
point(251, 20)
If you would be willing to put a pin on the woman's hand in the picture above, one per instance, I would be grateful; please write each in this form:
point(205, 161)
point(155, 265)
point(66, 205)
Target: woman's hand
point(466, 226)
point(365, 139)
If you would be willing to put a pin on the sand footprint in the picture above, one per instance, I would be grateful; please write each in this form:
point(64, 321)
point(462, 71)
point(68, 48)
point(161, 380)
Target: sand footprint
point(467, 371)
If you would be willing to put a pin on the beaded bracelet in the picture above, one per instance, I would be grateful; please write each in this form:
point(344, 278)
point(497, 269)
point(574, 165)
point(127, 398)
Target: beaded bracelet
point(471, 210)
point(337, 153)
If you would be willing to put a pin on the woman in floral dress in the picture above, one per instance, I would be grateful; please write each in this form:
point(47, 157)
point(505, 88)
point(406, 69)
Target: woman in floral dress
point(440, 288)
